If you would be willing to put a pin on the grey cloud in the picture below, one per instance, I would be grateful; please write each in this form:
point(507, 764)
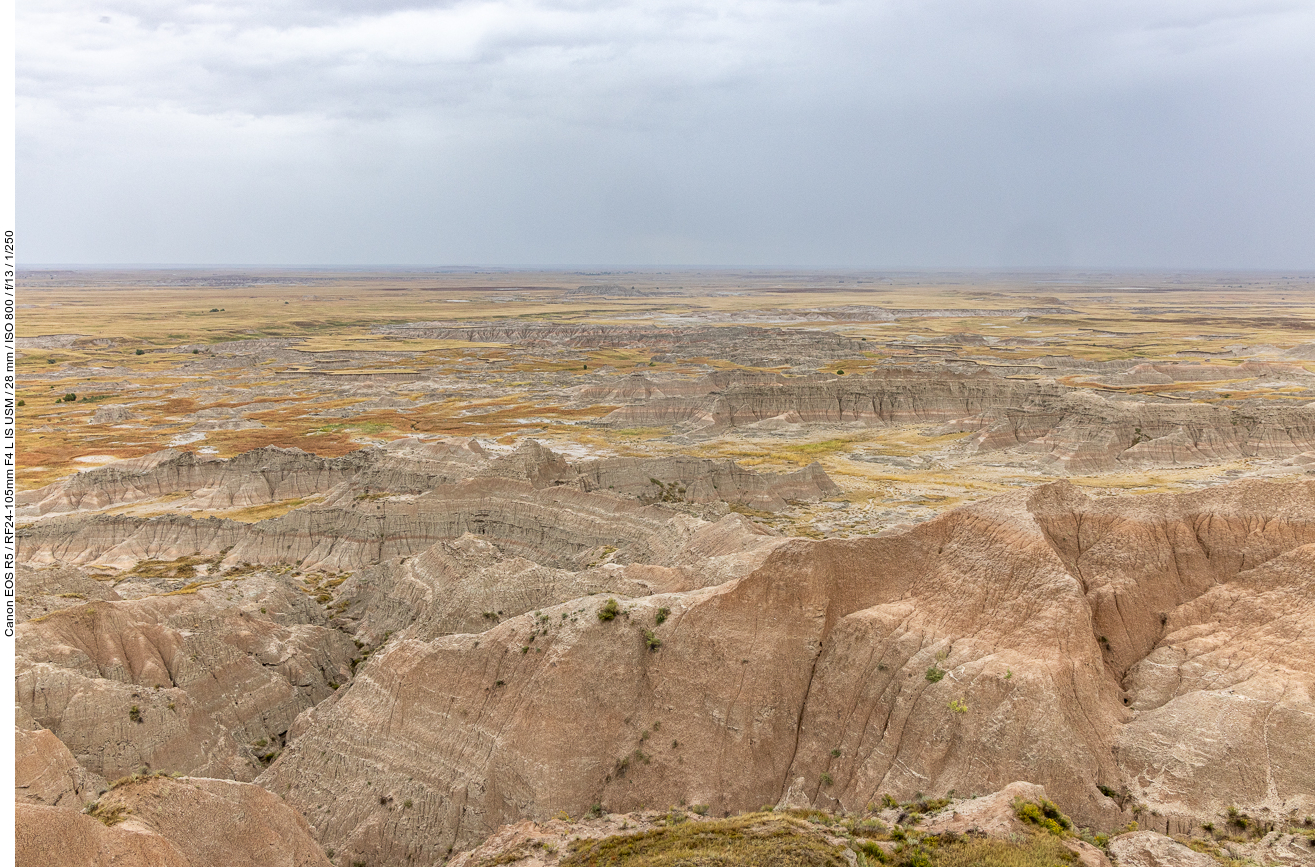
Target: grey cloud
point(775, 133)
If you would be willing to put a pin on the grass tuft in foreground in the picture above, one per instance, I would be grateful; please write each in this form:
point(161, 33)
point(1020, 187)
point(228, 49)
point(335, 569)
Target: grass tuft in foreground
point(755, 838)
point(809, 838)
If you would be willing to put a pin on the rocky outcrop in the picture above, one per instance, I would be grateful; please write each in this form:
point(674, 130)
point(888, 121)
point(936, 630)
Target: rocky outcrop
point(960, 655)
point(1067, 429)
point(202, 681)
point(252, 478)
point(408, 466)
point(695, 480)
point(45, 772)
point(1149, 849)
point(468, 585)
point(165, 822)
point(747, 345)
point(351, 530)
point(55, 837)
point(731, 400)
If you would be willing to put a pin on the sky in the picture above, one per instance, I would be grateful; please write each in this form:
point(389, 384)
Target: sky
point(774, 134)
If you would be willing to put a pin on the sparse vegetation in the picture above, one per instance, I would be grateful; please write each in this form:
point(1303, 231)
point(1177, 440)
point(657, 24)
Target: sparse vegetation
point(106, 814)
point(934, 674)
point(805, 838)
point(1044, 814)
point(609, 611)
point(781, 841)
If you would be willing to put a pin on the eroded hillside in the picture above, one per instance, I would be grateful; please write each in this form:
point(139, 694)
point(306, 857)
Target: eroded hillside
point(396, 582)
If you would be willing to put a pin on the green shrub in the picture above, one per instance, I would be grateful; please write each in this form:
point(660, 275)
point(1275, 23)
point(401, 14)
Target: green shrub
point(870, 850)
point(935, 674)
point(135, 714)
point(662, 614)
point(652, 640)
point(70, 397)
point(1043, 814)
point(106, 815)
point(141, 352)
point(609, 611)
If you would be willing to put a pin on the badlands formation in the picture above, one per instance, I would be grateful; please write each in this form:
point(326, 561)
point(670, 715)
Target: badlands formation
point(415, 569)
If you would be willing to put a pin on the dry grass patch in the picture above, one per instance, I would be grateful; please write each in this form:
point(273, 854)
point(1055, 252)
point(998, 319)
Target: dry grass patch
point(757, 838)
point(252, 514)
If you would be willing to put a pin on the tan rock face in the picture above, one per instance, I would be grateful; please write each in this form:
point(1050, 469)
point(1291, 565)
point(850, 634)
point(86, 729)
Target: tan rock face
point(1148, 849)
point(45, 772)
point(1068, 429)
point(163, 822)
point(272, 475)
point(1043, 635)
point(961, 655)
point(468, 585)
point(1224, 698)
point(184, 682)
point(56, 837)
point(635, 508)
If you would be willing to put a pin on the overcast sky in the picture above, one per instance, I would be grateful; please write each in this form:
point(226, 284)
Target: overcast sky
point(877, 133)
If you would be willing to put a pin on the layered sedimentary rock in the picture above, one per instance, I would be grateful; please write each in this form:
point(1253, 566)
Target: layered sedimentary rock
point(408, 466)
point(464, 657)
point(198, 681)
point(988, 645)
point(749, 345)
point(1065, 428)
point(252, 478)
point(467, 585)
point(164, 822)
point(625, 505)
point(45, 772)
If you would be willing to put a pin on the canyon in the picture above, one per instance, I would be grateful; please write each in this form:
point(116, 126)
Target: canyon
point(389, 589)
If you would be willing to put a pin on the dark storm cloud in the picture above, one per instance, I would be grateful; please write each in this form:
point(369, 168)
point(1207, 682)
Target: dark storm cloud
point(764, 133)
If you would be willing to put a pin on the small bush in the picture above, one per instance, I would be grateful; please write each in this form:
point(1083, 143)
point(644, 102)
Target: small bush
point(935, 674)
point(106, 815)
point(609, 611)
point(135, 714)
point(70, 397)
point(826, 779)
point(700, 809)
point(662, 614)
point(870, 850)
point(141, 352)
point(652, 640)
point(1043, 814)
